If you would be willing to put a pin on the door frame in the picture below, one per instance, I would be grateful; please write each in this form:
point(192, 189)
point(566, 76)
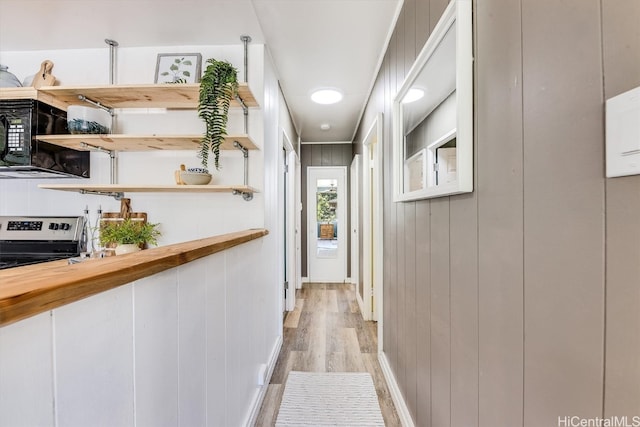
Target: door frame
point(355, 227)
point(342, 225)
point(290, 222)
point(372, 219)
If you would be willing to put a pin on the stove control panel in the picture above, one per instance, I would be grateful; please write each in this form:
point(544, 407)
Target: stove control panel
point(41, 228)
point(24, 225)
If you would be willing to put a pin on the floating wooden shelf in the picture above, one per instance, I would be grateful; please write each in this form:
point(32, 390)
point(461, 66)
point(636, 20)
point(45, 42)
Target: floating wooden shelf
point(179, 95)
point(118, 142)
point(176, 96)
point(30, 93)
point(123, 188)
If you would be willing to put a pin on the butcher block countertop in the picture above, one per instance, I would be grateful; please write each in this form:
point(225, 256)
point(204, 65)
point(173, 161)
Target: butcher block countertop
point(33, 289)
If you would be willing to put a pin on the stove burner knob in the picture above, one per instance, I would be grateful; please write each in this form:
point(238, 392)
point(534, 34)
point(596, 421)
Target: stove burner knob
point(65, 226)
point(52, 226)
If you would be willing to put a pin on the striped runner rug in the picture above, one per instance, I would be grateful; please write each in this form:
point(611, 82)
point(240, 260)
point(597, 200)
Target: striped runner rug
point(329, 399)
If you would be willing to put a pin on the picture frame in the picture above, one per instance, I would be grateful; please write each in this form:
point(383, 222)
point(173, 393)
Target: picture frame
point(172, 67)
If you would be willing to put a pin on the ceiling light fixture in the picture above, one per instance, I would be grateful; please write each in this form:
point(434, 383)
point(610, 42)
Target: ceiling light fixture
point(326, 96)
point(412, 95)
point(325, 126)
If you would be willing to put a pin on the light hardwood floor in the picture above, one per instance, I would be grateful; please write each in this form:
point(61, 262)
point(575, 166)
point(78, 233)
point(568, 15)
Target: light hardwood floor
point(326, 333)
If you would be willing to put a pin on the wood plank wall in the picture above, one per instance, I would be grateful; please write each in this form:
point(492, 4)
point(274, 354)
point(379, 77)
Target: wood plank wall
point(322, 155)
point(621, 59)
point(520, 302)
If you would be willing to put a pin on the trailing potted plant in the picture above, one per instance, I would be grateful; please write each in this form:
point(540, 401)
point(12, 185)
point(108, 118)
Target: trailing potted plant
point(218, 86)
point(128, 235)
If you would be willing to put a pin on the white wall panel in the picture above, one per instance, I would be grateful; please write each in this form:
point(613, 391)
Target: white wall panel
point(182, 347)
point(156, 350)
point(192, 387)
point(93, 360)
point(26, 373)
point(238, 344)
point(216, 373)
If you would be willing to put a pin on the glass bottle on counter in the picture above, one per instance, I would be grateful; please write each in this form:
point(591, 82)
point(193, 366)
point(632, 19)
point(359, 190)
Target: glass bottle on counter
point(97, 251)
point(86, 235)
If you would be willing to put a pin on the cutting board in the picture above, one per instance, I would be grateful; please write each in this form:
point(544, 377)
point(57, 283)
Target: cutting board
point(44, 77)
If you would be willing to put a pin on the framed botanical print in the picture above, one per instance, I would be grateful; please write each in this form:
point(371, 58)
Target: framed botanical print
point(178, 68)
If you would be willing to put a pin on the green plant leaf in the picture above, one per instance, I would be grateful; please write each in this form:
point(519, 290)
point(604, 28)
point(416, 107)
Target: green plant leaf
point(218, 86)
point(128, 232)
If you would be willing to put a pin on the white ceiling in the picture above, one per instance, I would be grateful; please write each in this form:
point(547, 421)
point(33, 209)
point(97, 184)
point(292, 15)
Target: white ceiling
point(313, 43)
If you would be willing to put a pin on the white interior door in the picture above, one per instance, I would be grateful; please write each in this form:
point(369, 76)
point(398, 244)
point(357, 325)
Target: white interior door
point(291, 233)
point(326, 224)
point(355, 232)
point(298, 217)
point(372, 256)
point(289, 224)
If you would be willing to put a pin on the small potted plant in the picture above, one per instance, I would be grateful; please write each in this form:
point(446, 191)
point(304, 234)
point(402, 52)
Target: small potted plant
point(128, 235)
point(218, 87)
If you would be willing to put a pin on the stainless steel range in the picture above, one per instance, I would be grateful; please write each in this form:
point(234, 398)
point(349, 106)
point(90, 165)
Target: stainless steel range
point(30, 239)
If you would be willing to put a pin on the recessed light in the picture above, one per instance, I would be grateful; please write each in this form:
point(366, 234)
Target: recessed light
point(325, 126)
point(413, 95)
point(326, 96)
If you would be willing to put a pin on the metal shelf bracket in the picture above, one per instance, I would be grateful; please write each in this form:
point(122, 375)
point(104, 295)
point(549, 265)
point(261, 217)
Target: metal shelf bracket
point(246, 195)
point(96, 104)
point(113, 159)
point(245, 153)
point(118, 195)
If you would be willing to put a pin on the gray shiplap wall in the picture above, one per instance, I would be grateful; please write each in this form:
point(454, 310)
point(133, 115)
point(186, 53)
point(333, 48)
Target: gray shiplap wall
point(621, 59)
point(520, 302)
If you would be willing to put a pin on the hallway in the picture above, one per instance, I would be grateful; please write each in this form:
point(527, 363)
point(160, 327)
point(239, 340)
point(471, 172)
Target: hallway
point(326, 333)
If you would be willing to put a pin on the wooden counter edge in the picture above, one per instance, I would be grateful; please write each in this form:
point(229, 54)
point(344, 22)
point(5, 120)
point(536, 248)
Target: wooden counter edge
point(30, 290)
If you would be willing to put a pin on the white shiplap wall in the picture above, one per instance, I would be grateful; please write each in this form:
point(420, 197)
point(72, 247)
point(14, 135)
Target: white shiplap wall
point(182, 347)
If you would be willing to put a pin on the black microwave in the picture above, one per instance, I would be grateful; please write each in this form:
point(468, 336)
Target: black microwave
point(22, 155)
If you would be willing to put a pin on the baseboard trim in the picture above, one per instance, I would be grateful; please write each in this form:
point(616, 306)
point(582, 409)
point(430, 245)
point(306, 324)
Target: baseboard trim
point(396, 395)
point(305, 280)
point(262, 391)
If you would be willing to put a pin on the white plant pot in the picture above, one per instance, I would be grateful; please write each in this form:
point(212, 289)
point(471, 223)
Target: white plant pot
point(127, 249)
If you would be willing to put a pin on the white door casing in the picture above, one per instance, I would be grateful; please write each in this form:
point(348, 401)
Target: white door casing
point(355, 233)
